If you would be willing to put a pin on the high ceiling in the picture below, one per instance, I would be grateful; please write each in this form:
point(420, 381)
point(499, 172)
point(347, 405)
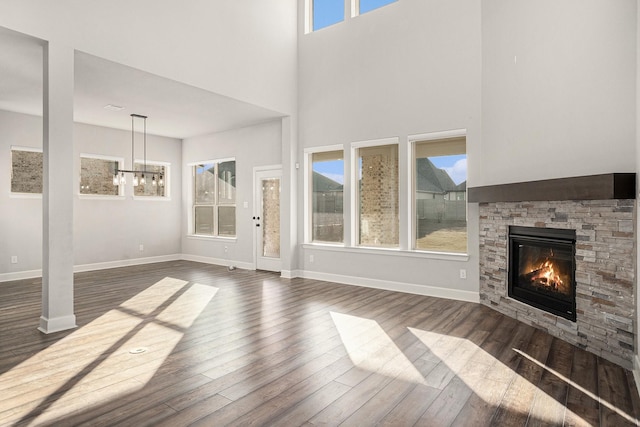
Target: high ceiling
point(174, 109)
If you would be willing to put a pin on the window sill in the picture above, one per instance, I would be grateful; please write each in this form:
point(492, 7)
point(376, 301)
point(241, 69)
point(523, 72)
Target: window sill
point(152, 198)
point(25, 195)
point(210, 238)
point(99, 197)
point(445, 256)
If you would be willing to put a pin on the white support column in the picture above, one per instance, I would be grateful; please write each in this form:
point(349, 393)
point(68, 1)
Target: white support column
point(57, 195)
point(288, 199)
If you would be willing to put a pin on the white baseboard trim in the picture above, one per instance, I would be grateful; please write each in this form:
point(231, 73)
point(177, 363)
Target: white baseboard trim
point(125, 263)
point(290, 274)
point(217, 261)
point(20, 275)
point(409, 288)
point(57, 324)
point(32, 274)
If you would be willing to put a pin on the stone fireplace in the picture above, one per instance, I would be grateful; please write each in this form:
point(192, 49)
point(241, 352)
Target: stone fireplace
point(600, 212)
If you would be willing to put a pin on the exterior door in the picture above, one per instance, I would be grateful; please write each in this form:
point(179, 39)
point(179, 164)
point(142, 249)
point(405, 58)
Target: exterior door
point(267, 219)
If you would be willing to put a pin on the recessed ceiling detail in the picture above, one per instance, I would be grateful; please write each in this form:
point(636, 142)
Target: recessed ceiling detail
point(179, 110)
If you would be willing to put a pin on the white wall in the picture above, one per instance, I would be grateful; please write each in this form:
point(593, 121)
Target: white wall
point(558, 89)
point(253, 146)
point(244, 50)
point(110, 230)
point(411, 67)
point(104, 230)
point(20, 218)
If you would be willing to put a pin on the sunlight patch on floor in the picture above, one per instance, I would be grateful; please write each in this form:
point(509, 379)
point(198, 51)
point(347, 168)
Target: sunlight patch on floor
point(483, 373)
point(578, 387)
point(104, 369)
point(369, 347)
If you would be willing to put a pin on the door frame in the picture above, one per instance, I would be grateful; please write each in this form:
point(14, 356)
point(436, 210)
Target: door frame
point(257, 206)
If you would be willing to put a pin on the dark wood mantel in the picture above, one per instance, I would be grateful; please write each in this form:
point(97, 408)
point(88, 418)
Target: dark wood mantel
point(593, 187)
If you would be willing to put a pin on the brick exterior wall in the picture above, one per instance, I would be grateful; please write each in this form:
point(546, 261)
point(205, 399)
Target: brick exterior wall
point(605, 271)
point(149, 189)
point(26, 172)
point(96, 176)
point(379, 197)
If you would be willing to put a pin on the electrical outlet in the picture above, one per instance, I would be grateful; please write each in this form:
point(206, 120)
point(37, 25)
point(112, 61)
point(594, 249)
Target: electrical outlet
point(311, 258)
point(463, 273)
point(141, 247)
point(14, 259)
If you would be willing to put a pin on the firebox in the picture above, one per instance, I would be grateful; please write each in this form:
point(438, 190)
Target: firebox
point(542, 269)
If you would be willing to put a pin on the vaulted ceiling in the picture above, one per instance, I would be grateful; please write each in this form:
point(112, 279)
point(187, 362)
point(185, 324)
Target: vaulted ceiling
point(174, 109)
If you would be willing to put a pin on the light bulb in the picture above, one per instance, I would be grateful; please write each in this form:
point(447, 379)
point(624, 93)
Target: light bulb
point(142, 180)
point(123, 180)
point(135, 180)
point(116, 180)
point(153, 181)
point(161, 181)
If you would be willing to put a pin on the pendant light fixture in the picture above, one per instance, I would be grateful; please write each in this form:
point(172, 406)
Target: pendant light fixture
point(118, 175)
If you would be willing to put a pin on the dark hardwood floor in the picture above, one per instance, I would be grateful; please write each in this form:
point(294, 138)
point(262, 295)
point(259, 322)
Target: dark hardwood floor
point(222, 347)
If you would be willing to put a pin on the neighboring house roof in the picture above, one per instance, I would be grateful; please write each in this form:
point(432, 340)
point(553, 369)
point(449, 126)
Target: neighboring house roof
point(322, 184)
point(462, 186)
point(432, 179)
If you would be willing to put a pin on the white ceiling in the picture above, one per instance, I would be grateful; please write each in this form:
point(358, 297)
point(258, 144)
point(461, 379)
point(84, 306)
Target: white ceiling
point(174, 109)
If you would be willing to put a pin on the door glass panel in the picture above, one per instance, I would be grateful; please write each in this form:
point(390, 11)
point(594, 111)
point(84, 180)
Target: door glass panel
point(271, 218)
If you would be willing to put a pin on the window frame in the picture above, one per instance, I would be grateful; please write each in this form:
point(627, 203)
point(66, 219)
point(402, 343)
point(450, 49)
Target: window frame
point(356, 8)
point(166, 178)
point(121, 192)
point(308, 193)
point(191, 222)
point(309, 22)
point(355, 192)
point(352, 9)
point(413, 141)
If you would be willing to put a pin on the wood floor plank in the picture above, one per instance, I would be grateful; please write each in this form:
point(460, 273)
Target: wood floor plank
point(551, 397)
point(306, 409)
point(515, 406)
point(278, 406)
point(615, 400)
point(251, 348)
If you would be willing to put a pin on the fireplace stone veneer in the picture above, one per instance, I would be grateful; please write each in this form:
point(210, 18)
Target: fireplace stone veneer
point(605, 270)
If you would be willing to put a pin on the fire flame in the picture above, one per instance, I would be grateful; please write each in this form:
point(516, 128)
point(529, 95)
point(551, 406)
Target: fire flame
point(545, 274)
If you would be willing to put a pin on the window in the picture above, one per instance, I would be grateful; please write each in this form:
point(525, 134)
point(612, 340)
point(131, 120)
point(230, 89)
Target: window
point(214, 197)
point(26, 170)
point(96, 175)
point(156, 184)
point(369, 5)
point(326, 12)
point(327, 184)
point(440, 189)
point(377, 190)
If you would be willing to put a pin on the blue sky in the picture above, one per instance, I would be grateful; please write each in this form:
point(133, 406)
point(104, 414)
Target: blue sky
point(328, 12)
point(455, 166)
